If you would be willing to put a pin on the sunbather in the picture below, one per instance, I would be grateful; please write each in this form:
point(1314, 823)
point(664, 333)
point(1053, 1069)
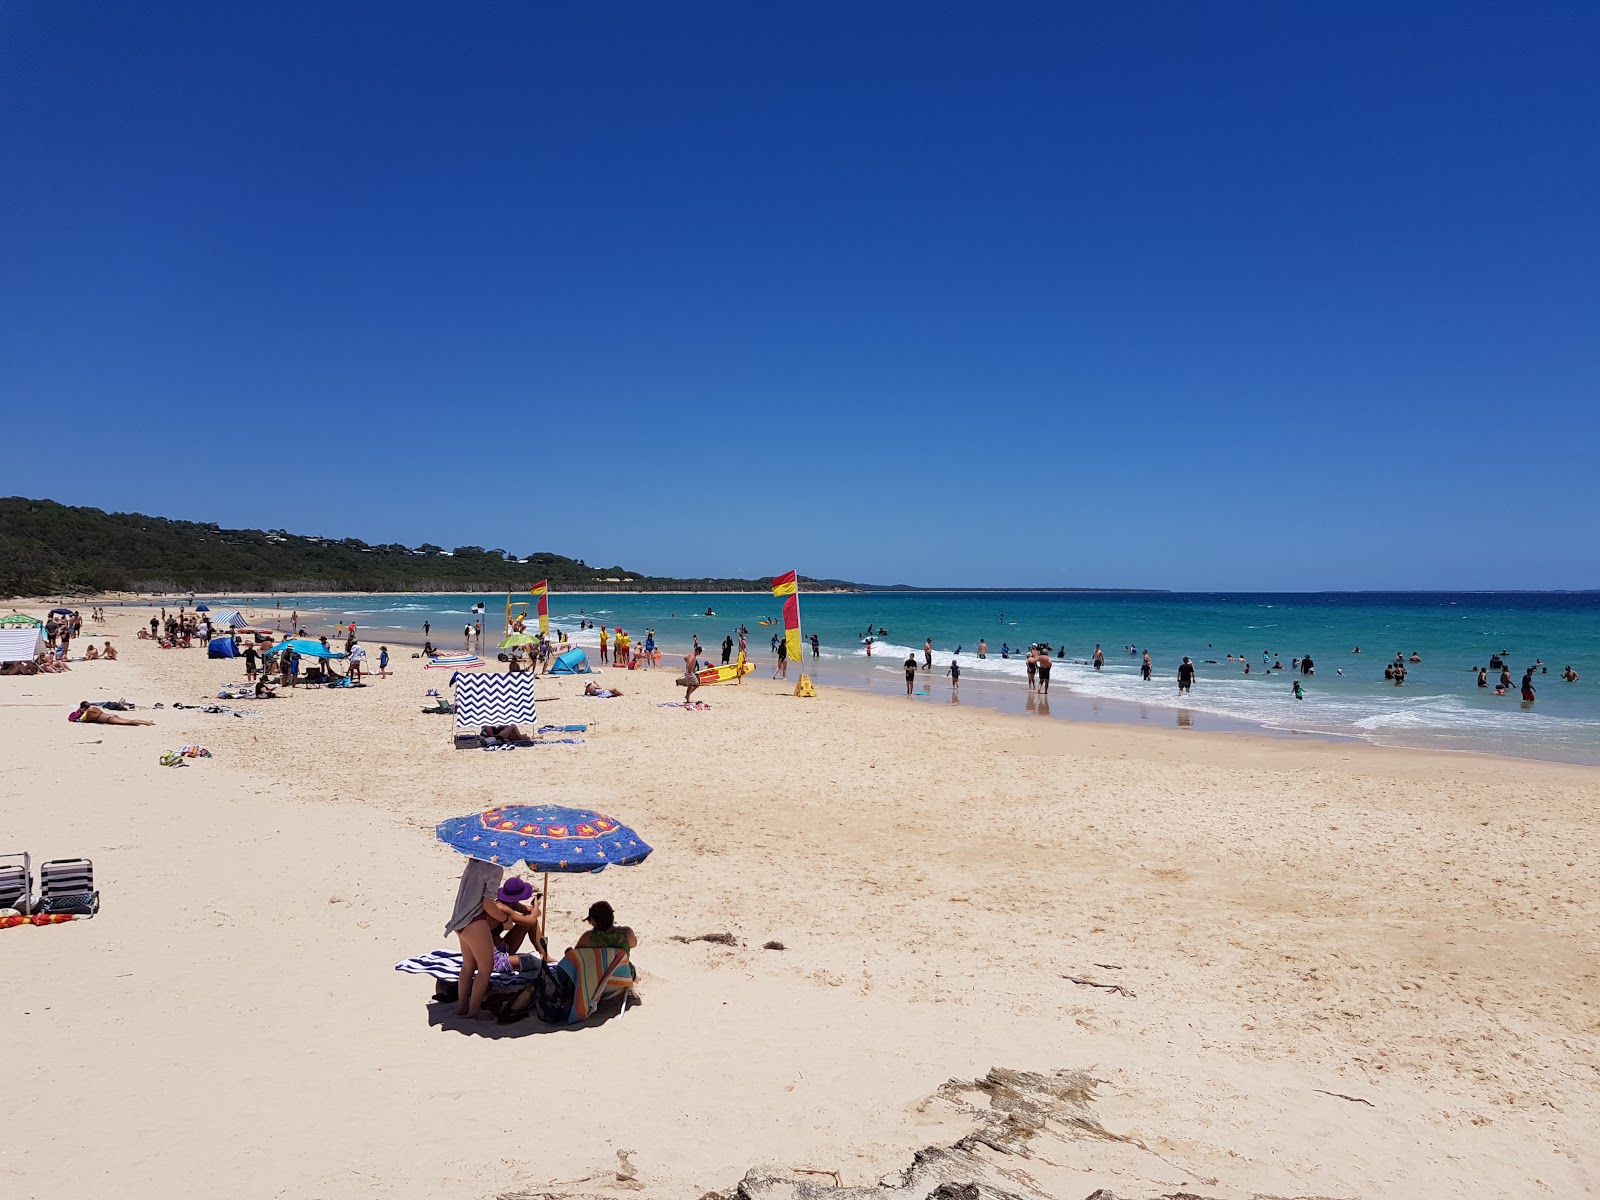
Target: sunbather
point(93, 714)
point(594, 689)
point(506, 733)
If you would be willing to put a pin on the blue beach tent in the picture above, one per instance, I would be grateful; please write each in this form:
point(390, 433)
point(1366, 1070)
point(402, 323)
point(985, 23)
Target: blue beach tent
point(573, 662)
point(221, 646)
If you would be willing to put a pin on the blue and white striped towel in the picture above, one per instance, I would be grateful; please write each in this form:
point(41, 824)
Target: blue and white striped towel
point(446, 965)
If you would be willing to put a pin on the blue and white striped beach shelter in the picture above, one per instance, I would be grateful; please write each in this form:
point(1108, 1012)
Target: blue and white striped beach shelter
point(497, 699)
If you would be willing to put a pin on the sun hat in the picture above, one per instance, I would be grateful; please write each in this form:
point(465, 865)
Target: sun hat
point(514, 891)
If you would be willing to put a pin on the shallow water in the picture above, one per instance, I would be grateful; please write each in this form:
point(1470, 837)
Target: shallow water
point(1439, 707)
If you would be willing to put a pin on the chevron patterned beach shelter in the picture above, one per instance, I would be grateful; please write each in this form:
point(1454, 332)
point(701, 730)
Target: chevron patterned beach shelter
point(498, 699)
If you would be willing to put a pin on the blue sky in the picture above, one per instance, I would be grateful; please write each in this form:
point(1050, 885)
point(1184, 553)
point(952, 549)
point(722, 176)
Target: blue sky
point(1220, 296)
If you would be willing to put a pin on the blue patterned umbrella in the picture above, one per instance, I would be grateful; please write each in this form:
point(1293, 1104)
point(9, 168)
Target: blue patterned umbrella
point(546, 837)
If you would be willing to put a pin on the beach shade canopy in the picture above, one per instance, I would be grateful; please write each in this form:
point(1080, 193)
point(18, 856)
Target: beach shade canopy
point(305, 647)
point(547, 837)
point(20, 621)
point(229, 620)
point(60, 612)
point(202, 608)
point(573, 662)
point(21, 645)
point(493, 699)
point(519, 639)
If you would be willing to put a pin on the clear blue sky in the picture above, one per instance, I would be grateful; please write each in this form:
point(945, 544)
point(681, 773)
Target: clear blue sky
point(1200, 296)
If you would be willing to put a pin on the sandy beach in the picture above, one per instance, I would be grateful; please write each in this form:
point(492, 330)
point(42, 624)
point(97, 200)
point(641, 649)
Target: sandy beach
point(1339, 970)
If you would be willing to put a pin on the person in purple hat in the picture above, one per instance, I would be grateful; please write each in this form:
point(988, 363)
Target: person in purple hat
point(526, 922)
point(479, 911)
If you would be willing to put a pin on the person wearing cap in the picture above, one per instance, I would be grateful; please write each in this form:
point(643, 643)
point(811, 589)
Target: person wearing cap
point(478, 912)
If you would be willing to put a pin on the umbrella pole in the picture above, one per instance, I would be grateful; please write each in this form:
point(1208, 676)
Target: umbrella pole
point(544, 917)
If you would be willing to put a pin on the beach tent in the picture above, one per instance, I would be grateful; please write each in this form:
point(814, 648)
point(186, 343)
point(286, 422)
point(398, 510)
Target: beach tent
point(305, 648)
point(496, 699)
point(222, 646)
point(202, 608)
point(573, 662)
point(229, 620)
point(21, 645)
point(60, 612)
point(20, 621)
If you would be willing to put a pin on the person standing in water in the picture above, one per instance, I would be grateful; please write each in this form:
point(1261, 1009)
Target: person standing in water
point(1099, 657)
point(954, 672)
point(1185, 676)
point(1044, 670)
point(1144, 667)
point(927, 654)
point(911, 671)
point(1527, 686)
point(983, 648)
point(1033, 667)
point(816, 647)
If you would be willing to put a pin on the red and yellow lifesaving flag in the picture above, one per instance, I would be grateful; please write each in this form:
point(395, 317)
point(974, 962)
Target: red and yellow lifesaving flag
point(787, 588)
point(540, 592)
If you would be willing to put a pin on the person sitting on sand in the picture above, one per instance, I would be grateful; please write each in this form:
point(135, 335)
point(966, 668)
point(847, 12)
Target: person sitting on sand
point(51, 665)
point(594, 689)
point(91, 654)
point(109, 653)
point(264, 689)
point(93, 714)
point(604, 932)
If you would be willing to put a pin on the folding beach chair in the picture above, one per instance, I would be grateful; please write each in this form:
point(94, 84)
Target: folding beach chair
point(16, 882)
point(596, 973)
point(66, 886)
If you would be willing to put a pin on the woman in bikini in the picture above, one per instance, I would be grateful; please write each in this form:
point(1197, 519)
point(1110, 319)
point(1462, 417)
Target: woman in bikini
point(93, 714)
point(477, 913)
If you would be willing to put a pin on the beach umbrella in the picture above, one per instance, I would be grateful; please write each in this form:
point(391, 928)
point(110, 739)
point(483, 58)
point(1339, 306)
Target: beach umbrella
point(518, 639)
point(546, 837)
point(60, 611)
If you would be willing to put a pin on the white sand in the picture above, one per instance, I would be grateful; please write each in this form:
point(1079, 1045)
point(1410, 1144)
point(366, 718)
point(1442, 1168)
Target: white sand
point(1410, 928)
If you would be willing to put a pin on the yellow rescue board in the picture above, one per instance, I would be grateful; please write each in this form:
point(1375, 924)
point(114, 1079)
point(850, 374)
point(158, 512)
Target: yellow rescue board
point(723, 674)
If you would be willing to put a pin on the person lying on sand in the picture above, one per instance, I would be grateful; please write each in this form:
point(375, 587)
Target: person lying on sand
point(93, 714)
point(506, 733)
point(594, 689)
point(19, 668)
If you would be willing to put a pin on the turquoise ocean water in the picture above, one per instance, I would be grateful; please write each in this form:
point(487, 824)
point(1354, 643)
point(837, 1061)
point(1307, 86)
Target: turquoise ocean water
point(1439, 706)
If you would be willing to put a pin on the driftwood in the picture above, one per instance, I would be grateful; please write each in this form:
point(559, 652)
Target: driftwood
point(721, 939)
point(1110, 987)
point(1342, 1096)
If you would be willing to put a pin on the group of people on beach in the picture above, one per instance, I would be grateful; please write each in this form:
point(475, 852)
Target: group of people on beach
point(492, 919)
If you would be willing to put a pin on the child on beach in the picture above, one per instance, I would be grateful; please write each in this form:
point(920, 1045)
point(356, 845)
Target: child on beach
point(383, 662)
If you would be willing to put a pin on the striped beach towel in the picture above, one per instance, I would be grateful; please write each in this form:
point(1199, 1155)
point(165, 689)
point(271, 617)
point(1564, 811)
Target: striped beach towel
point(446, 965)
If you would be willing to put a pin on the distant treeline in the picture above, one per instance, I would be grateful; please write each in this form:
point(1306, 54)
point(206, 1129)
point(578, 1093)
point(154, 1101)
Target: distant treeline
point(49, 549)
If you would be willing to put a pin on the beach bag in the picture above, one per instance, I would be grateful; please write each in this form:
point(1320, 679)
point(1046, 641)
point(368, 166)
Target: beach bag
point(552, 996)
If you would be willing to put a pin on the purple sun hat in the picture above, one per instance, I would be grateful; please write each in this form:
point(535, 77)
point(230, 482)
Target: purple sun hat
point(514, 891)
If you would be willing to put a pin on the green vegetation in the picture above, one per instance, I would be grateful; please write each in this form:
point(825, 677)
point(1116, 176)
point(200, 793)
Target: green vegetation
point(48, 549)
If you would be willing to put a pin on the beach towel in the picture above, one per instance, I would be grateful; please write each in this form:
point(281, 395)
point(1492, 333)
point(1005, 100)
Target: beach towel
point(696, 706)
point(446, 965)
point(563, 729)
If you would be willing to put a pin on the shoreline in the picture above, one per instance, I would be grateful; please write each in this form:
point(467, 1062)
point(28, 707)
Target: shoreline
point(989, 696)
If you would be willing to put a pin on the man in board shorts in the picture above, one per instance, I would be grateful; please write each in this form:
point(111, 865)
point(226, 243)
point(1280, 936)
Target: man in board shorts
point(691, 677)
